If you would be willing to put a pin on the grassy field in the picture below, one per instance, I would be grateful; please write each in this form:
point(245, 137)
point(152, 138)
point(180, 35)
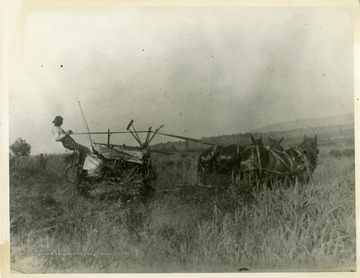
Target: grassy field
point(185, 226)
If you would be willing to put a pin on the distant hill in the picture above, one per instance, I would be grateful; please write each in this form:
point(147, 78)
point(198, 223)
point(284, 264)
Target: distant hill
point(336, 120)
point(339, 126)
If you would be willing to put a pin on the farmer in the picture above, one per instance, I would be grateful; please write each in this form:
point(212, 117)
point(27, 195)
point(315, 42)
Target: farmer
point(68, 142)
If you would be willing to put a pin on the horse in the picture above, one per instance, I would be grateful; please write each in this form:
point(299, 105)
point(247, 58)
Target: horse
point(249, 167)
point(233, 160)
point(227, 158)
point(206, 165)
point(249, 163)
point(275, 144)
point(297, 163)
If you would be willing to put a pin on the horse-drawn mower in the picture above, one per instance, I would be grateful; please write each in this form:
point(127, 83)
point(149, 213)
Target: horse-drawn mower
point(120, 171)
point(114, 170)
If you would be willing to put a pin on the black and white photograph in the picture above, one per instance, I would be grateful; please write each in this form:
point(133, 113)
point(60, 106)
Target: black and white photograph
point(193, 137)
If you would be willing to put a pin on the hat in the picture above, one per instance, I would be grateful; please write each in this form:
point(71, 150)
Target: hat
point(57, 118)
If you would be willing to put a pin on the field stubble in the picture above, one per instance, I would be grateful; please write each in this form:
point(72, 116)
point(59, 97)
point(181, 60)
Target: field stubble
point(185, 227)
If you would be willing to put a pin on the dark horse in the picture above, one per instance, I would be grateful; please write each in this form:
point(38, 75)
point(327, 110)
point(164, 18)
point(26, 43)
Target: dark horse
point(276, 144)
point(233, 160)
point(297, 163)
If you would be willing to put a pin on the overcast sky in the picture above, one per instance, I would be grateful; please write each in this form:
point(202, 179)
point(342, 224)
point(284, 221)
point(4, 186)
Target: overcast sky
point(200, 71)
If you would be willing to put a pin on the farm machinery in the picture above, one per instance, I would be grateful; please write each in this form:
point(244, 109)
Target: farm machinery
point(116, 169)
point(124, 171)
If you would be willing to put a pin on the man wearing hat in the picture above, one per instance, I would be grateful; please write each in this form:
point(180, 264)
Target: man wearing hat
point(64, 137)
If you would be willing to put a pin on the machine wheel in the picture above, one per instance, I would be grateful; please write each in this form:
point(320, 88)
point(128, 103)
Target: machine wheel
point(72, 174)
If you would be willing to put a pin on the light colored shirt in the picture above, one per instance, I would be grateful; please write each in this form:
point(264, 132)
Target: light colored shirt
point(68, 142)
point(58, 133)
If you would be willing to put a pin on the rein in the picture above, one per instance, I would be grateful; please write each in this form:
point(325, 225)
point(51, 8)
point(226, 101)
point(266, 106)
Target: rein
point(301, 156)
point(291, 171)
point(266, 162)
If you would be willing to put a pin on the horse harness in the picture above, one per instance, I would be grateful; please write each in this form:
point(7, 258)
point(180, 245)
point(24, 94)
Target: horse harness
point(256, 163)
point(305, 163)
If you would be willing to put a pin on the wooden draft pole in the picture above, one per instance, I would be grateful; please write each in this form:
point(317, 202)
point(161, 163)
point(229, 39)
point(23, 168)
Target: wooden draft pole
point(152, 136)
point(190, 139)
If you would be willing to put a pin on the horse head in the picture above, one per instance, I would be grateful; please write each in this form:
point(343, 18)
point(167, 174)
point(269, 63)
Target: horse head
point(257, 142)
point(309, 149)
point(256, 156)
point(275, 144)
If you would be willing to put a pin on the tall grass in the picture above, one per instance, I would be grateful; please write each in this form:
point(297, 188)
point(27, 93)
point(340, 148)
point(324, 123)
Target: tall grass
point(193, 228)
